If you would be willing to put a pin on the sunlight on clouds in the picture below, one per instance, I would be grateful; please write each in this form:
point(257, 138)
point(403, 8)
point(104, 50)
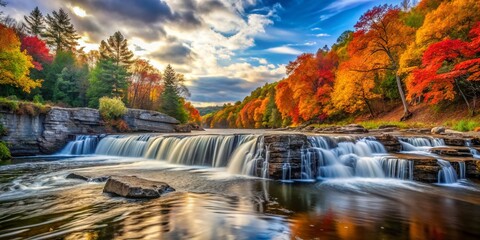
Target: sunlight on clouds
point(79, 11)
point(284, 50)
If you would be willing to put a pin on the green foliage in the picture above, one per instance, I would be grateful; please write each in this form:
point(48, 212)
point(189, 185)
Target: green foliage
point(61, 61)
point(3, 130)
point(116, 49)
point(106, 79)
point(388, 87)
point(464, 125)
point(111, 108)
point(4, 152)
point(207, 110)
point(414, 19)
point(9, 104)
point(60, 33)
point(35, 23)
point(171, 103)
point(38, 99)
point(71, 86)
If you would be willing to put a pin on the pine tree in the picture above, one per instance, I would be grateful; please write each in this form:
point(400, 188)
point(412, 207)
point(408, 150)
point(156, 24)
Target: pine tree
point(171, 103)
point(35, 23)
point(116, 48)
point(106, 79)
point(60, 33)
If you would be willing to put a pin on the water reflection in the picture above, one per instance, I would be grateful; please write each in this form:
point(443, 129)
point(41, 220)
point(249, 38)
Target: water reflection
point(205, 207)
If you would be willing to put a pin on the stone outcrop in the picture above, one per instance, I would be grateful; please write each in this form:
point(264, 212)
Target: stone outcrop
point(134, 187)
point(285, 149)
point(390, 142)
point(438, 130)
point(48, 133)
point(86, 177)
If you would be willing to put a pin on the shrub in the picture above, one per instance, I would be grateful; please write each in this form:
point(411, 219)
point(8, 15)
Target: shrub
point(465, 125)
point(8, 104)
point(3, 130)
point(38, 99)
point(111, 108)
point(4, 152)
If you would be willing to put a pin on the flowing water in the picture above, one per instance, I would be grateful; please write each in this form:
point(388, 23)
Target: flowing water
point(359, 193)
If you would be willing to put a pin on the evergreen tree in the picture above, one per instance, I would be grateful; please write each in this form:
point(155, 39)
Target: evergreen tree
point(62, 60)
point(116, 48)
point(35, 24)
point(71, 86)
point(106, 79)
point(60, 33)
point(171, 101)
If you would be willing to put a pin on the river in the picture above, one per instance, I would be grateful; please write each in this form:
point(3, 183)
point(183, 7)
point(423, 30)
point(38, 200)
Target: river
point(37, 201)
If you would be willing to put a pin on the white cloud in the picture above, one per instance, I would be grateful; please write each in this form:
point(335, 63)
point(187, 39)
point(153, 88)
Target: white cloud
point(341, 5)
point(284, 50)
point(322, 35)
point(315, 29)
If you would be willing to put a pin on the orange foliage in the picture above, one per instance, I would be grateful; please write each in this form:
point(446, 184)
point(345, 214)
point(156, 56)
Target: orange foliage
point(145, 86)
point(193, 113)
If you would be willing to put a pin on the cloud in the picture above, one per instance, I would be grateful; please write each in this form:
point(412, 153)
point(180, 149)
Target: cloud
point(221, 89)
point(307, 43)
point(342, 5)
point(176, 53)
point(315, 29)
point(322, 35)
point(284, 50)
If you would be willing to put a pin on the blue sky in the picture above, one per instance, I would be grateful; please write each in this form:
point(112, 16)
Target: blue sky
point(225, 48)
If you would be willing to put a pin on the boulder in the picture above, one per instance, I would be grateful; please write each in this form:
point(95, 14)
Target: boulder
point(352, 128)
point(134, 187)
point(86, 177)
point(183, 128)
point(438, 130)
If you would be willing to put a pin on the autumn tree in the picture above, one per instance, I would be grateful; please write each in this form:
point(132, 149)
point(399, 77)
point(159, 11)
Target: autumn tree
point(60, 33)
point(145, 86)
point(380, 36)
point(193, 113)
point(116, 48)
point(449, 67)
point(35, 23)
point(38, 50)
point(171, 98)
point(15, 64)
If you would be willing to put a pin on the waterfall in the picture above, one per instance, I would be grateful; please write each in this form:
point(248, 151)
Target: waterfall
point(416, 143)
point(473, 151)
point(306, 165)
point(447, 173)
point(242, 154)
point(462, 170)
point(83, 144)
point(347, 157)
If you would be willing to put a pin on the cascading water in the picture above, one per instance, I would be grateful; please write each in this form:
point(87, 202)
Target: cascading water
point(352, 158)
point(410, 144)
point(82, 145)
point(473, 151)
point(240, 153)
point(462, 170)
point(447, 173)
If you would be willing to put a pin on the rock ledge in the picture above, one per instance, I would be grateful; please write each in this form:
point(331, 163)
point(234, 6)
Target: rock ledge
point(134, 187)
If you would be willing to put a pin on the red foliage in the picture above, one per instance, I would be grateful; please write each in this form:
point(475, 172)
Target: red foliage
point(38, 50)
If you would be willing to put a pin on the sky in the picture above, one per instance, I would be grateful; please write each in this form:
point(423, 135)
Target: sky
point(225, 48)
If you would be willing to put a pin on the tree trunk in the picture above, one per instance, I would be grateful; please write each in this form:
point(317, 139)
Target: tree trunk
point(464, 98)
point(406, 114)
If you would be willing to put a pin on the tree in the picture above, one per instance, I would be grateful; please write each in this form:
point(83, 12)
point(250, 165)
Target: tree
point(106, 79)
point(171, 103)
point(61, 61)
point(15, 64)
point(35, 23)
point(145, 86)
point(353, 90)
point(381, 37)
point(449, 67)
point(60, 33)
point(116, 48)
point(38, 50)
point(193, 114)
point(70, 87)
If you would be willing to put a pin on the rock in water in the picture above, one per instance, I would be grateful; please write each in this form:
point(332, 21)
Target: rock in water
point(88, 178)
point(134, 187)
point(438, 130)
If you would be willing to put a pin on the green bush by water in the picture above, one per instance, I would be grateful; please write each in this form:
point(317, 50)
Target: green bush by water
point(465, 125)
point(4, 152)
point(111, 108)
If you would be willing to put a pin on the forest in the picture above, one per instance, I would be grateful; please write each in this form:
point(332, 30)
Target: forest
point(41, 61)
point(395, 56)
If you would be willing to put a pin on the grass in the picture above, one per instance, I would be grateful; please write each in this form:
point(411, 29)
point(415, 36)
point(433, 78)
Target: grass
point(376, 124)
point(464, 125)
point(23, 107)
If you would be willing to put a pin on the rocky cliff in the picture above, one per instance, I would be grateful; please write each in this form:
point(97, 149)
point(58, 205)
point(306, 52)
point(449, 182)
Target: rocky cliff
point(47, 133)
